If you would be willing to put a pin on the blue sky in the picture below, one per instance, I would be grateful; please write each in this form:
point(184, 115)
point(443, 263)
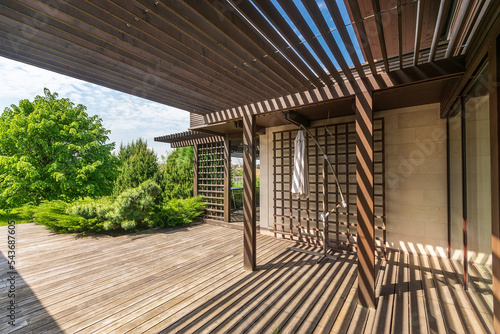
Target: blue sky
point(127, 117)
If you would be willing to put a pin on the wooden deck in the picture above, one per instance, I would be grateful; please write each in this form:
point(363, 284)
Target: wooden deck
point(191, 280)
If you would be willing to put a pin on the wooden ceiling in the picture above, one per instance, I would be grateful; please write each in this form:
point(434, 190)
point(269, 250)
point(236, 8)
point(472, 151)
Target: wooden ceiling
point(205, 56)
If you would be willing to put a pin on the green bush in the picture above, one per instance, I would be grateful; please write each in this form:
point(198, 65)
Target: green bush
point(54, 216)
point(134, 207)
point(180, 211)
point(92, 209)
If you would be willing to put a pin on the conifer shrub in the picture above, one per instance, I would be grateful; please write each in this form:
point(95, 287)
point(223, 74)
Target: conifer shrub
point(134, 208)
point(54, 216)
point(180, 211)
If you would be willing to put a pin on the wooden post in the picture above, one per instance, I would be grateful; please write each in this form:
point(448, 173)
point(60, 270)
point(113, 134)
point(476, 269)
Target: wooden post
point(249, 200)
point(364, 200)
point(227, 180)
point(195, 168)
point(494, 69)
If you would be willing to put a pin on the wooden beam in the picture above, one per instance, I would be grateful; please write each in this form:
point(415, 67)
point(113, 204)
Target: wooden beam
point(249, 200)
point(365, 199)
point(494, 99)
point(296, 119)
point(418, 31)
point(195, 169)
point(415, 74)
point(227, 180)
point(258, 129)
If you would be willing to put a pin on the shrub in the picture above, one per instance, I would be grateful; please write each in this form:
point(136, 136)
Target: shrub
point(92, 209)
point(180, 211)
point(53, 215)
point(134, 207)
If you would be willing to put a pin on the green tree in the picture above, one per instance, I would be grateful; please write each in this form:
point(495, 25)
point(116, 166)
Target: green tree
point(51, 149)
point(138, 164)
point(177, 174)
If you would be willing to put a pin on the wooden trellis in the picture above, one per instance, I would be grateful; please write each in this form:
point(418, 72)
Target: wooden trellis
point(210, 162)
point(300, 219)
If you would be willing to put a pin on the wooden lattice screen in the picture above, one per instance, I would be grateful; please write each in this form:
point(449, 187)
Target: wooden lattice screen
point(300, 219)
point(211, 178)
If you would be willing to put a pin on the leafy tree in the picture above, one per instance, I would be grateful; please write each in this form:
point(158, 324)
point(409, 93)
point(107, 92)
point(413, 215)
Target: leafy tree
point(51, 149)
point(138, 164)
point(177, 174)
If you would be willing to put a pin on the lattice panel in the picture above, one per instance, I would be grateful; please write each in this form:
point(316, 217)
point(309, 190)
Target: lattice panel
point(300, 219)
point(211, 178)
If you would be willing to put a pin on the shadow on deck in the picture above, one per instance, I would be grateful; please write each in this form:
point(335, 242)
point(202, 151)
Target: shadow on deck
point(191, 280)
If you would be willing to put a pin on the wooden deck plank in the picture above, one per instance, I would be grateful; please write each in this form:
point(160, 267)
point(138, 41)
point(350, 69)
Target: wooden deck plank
point(342, 288)
point(242, 319)
point(464, 308)
point(434, 313)
point(221, 298)
point(192, 280)
point(241, 305)
point(157, 306)
point(358, 321)
point(383, 318)
point(418, 318)
point(478, 298)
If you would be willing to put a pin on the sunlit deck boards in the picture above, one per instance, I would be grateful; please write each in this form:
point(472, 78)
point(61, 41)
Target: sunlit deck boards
point(191, 280)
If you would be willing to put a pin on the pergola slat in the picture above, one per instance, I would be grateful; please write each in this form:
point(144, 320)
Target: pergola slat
point(204, 30)
point(314, 11)
point(283, 45)
point(443, 8)
point(454, 37)
point(400, 33)
point(200, 34)
point(235, 26)
point(344, 34)
point(171, 46)
point(282, 26)
point(55, 57)
point(83, 43)
point(308, 35)
point(418, 31)
point(360, 27)
point(380, 31)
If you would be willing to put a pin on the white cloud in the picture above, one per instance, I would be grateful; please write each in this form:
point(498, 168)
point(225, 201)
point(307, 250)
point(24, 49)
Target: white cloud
point(128, 117)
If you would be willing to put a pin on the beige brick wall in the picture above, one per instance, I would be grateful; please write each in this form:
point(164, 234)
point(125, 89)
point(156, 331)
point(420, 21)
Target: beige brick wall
point(416, 201)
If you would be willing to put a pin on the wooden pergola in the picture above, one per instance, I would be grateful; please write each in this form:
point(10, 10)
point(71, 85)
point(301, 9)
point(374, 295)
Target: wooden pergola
point(227, 62)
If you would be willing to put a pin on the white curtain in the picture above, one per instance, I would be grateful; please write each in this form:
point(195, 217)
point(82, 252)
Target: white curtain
point(300, 182)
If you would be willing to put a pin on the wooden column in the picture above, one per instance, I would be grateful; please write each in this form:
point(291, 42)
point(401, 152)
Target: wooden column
point(249, 200)
point(494, 69)
point(195, 168)
point(227, 180)
point(364, 200)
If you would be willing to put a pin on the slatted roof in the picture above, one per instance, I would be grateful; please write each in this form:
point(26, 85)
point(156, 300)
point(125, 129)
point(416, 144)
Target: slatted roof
point(205, 56)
